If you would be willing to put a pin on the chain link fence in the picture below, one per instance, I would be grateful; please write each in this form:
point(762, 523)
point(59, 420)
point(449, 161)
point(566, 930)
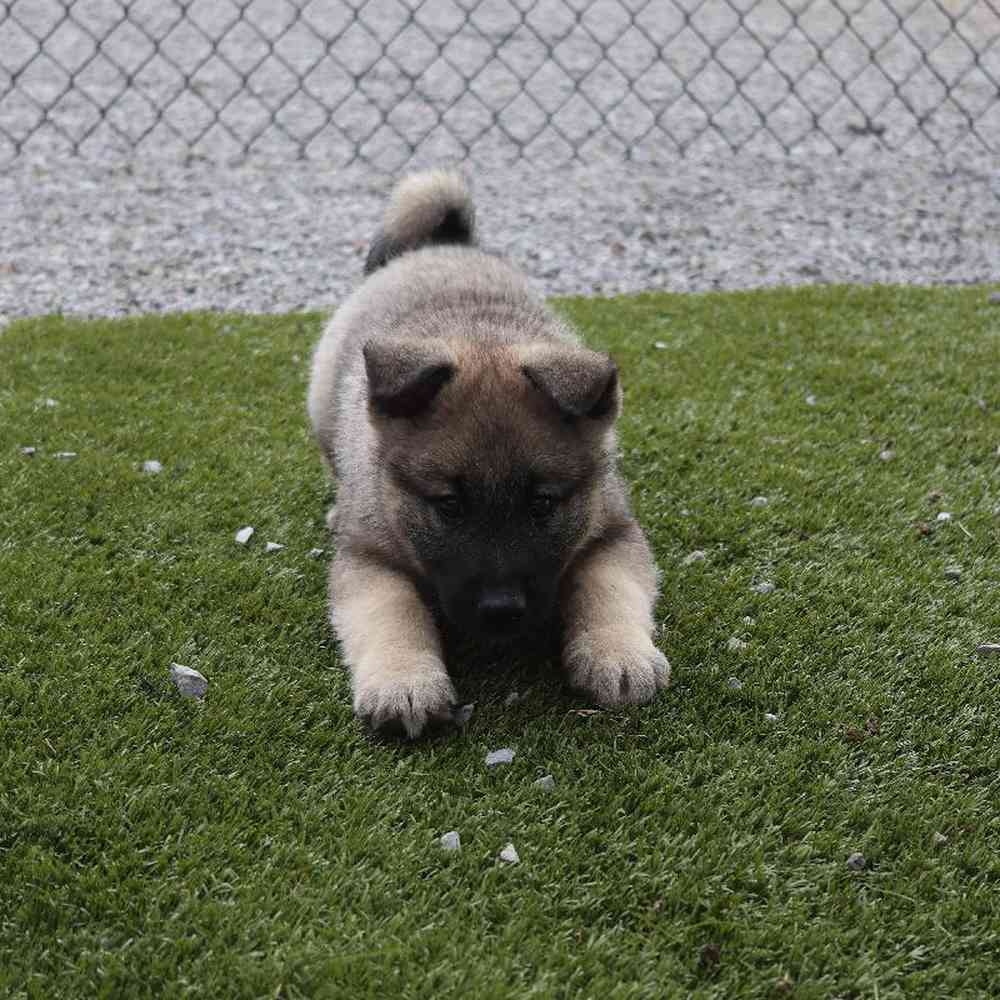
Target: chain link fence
point(384, 81)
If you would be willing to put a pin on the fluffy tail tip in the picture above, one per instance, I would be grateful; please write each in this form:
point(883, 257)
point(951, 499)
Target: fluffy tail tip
point(434, 207)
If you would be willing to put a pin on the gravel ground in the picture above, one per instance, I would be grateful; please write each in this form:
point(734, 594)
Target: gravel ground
point(136, 224)
point(83, 238)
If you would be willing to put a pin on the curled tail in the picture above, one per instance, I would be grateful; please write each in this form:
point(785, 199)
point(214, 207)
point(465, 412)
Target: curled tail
point(425, 209)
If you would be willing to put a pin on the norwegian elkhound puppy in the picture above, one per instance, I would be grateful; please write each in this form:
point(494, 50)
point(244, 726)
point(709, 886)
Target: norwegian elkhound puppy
point(473, 441)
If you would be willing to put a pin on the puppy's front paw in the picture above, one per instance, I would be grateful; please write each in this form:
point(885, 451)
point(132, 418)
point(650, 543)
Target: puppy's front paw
point(616, 667)
point(404, 700)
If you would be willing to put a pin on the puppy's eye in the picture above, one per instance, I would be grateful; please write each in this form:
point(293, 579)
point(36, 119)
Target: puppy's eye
point(449, 506)
point(543, 505)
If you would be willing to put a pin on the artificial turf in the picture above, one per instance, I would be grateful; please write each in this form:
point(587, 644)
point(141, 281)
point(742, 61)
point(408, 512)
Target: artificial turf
point(259, 844)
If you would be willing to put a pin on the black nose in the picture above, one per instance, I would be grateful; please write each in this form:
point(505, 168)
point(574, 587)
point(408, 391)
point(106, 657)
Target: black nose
point(502, 607)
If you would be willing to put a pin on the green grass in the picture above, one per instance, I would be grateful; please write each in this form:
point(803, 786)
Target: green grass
point(260, 845)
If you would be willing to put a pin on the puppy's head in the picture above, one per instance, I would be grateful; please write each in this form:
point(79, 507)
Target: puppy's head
point(492, 461)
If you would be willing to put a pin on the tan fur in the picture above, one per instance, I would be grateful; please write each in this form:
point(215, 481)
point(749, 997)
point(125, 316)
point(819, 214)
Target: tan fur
point(391, 645)
point(607, 607)
point(511, 397)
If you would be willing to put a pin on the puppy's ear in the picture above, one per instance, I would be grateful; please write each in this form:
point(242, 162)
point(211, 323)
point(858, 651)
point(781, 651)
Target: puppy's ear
point(404, 376)
point(581, 383)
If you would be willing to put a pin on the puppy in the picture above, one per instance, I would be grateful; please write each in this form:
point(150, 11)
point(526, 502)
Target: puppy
point(473, 442)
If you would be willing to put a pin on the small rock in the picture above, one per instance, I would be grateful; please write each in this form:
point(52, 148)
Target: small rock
point(887, 454)
point(509, 855)
point(939, 839)
point(316, 553)
point(734, 683)
point(660, 345)
point(856, 862)
point(736, 645)
point(810, 400)
point(461, 714)
point(65, 454)
point(953, 572)
point(28, 450)
point(546, 783)
point(51, 403)
point(153, 467)
point(988, 649)
point(502, 756)
point(764, 587)
point(943, 516)
point(698, 555)
point(190, 683)
point(710, 956)
point(451, 841)
point(759, 502)
point(273, 547)
point(244, 535)
point(770, 717)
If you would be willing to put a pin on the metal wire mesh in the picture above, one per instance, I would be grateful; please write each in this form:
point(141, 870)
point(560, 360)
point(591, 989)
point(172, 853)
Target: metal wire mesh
point(383, 81)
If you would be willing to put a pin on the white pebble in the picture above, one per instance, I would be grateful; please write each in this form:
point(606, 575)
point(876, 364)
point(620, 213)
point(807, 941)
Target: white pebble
point(810, 400)
point(28, 450)
point(699, 555)
point(734, 683)
point(65, 454)
point(944, 516)
point(759, 502)
point(856, 862)
point(764, 587)
point(736, 645)
point(546, 783)
point(153, 467)
point(190, 683)
point(660, 345)
point(316, 553)
point(502, 756)
point(273, 547)
point(244, 535)
point(887, 454)
point(51, 403)
point(770, 717)
point(988, 649)
point(509, 855)
point(451, 841)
